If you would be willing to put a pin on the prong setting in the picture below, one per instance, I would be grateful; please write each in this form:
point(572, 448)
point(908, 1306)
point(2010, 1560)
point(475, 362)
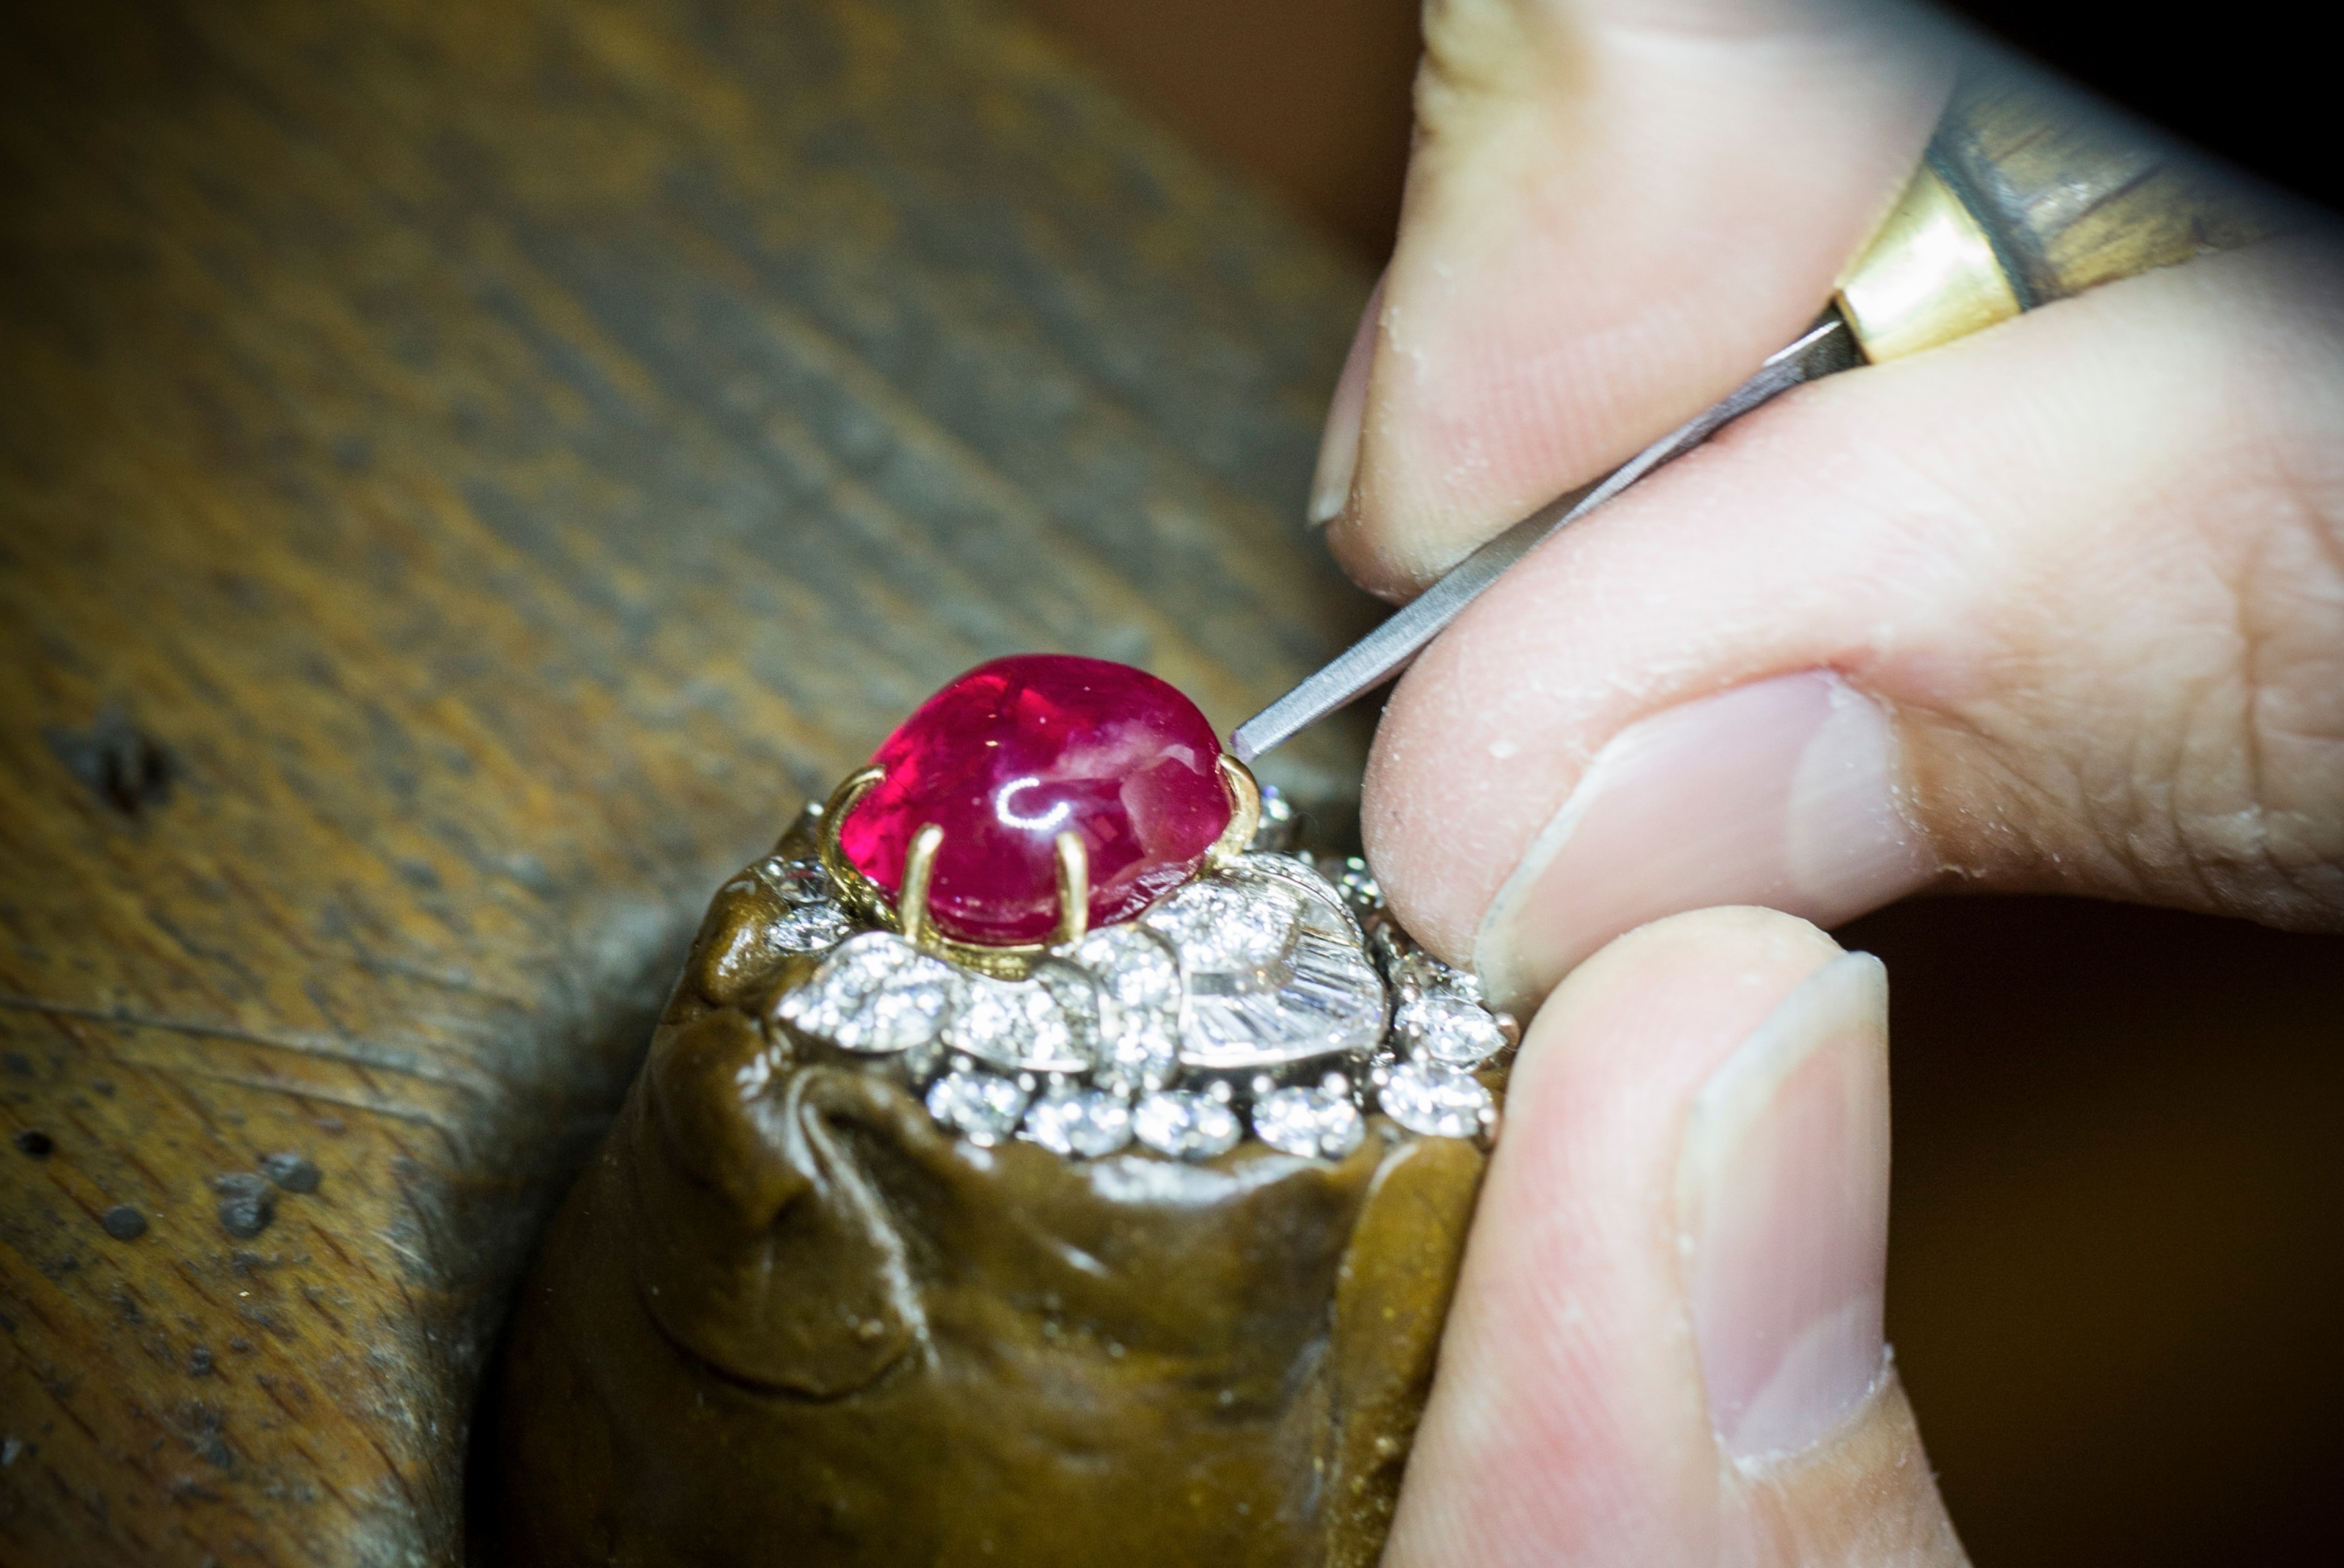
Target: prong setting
point(1073, 888)
point(1245, 813)
point(910, 917)
point(912, 912)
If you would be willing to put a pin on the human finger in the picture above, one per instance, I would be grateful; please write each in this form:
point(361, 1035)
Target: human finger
point(2057, 608)
point(1666, 1344)
point(1614, 208)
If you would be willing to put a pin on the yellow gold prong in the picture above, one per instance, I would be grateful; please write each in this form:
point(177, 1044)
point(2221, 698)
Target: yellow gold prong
point(1245, 813)
point(861, 895)
point(907, 913)
point(911, 904)
point(1074, 886)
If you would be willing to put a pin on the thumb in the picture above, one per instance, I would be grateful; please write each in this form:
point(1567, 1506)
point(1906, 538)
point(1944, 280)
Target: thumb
point(1666, 1342)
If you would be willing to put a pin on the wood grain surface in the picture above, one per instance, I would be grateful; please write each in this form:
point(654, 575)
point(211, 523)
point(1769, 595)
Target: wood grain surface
point(465, 473)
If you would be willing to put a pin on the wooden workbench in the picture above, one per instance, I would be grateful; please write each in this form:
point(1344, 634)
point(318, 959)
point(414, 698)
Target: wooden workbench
point(466, 472)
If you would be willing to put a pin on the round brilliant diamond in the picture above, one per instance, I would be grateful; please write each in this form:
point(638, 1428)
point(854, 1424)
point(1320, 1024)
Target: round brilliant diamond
point(1439, 1101)
point(1079, 1121)
point(1447, 1029)
point(982, 1107)
point(1188, 1125)
point(1309, 1122)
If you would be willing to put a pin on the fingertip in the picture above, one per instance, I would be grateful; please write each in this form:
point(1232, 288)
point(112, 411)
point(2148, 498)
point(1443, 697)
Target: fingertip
point(1782, 791)
point(1569, 1406)
point(1665, 1344)
point(1556, 299)
point(1338, 443)
point(1783, 1216)
point(1704, 975)
point(1376, 560)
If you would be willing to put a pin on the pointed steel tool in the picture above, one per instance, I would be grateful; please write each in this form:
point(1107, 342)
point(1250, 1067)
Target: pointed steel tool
point(1826, 348)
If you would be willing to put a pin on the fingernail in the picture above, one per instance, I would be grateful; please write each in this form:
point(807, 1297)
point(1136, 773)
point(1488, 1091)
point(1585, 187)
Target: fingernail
point(1783, 1215)
point(1338, 444)
point(1781, 793)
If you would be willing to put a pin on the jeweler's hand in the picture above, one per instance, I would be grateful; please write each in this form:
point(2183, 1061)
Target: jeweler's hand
point(2057, 606)
point(1666, 1343)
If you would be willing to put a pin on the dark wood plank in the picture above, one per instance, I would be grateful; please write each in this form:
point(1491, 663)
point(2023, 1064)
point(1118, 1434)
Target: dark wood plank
point(464, 474)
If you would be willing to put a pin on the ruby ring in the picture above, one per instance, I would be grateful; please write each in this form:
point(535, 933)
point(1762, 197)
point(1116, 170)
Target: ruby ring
point(1057, 909)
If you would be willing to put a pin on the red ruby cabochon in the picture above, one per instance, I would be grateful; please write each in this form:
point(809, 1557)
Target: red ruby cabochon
point(1021, 750)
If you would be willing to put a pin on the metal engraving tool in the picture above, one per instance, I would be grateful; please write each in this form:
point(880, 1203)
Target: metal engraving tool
point(2022, 198)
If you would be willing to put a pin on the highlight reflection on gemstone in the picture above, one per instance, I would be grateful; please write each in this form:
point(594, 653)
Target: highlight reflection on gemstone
point(1440, 1102)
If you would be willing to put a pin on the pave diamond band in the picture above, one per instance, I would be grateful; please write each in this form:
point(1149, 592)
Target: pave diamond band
point(1265, 995)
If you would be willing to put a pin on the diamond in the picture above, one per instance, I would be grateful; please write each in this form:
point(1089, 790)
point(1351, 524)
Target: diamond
point(1280, 823)
point(875, 993)
point(1138, 994)
point(1439, 1101)
point(1322, 997)
point(810, 930)
point(1223, 928)
point(1133, 966)
point(1449, 1029)
point(1359, 887)
point(1323, 904)
point(796, 883)
point(812, 918)
point(1140, 1058)
point(1085, 1122)
point(1190, 1125)
point(1420, 970)
point(1015, 1024)
point(1309, 1122)
point(1019, 750)
point(983, 1107)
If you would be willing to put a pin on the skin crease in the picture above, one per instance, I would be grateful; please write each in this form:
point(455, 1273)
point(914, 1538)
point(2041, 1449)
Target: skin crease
point(2090, 565)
